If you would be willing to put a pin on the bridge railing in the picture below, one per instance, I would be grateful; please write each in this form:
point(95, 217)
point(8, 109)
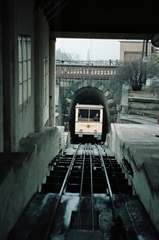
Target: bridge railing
point(98, 69)
point(110, 62)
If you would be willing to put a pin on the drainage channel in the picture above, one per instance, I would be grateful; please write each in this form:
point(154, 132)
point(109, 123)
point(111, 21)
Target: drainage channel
point(85, 196)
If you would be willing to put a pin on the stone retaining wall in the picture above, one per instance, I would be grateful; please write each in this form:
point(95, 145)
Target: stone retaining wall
point(22, 173)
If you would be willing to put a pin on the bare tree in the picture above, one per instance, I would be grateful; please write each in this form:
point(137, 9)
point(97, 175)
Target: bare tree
point(153, 66)
point(132, 72)
point(135, 73)
point(63, 56)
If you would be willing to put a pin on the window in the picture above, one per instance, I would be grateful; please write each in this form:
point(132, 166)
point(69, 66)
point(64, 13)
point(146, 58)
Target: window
point(83, 115)
point(24, 68)
point(46, 89)
point(46, 81)
point(95, 115)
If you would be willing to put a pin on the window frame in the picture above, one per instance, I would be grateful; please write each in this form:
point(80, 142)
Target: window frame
point(24, 70)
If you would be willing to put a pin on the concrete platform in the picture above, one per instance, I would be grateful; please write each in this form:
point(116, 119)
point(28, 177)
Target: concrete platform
point(136, 119)
point(139, 145)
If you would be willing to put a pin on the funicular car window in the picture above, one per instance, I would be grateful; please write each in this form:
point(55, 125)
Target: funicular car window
point(83, 115)
point(95, 115)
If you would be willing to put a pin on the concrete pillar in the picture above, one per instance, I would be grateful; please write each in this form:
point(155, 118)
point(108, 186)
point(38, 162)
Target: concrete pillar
point(38, 72)
point(1, 91)
point(52, 83)
point(10, 83)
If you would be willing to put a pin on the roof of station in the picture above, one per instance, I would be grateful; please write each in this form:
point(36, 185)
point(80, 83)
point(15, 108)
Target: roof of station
point(103, 19)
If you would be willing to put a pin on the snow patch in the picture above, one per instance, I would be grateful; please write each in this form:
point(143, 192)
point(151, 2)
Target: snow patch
point(72, 205)
point(141, 238)
point(46, 199)
point(58, 237)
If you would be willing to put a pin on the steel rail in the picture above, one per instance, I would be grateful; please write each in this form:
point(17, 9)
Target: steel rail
point(58, 198)
point(108, 183)
point(117, 228)
point(81, 187)
point(110, 162)
point(91, 173)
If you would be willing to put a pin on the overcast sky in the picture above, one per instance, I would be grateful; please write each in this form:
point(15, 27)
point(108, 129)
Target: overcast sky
point(99, 49)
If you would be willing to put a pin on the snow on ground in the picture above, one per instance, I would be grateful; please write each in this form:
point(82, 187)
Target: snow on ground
point(72, 205)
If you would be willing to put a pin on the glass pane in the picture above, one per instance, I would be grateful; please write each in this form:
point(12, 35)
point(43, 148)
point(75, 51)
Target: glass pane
point(95, 115)
point(24, 91)
point(20, 93)
point(24, 59)
point(24, 48)
point(47, 81)
point(83, 115)
point(24, 71)
point(29, 68)
point(29, 88)
point(19, 49)
point(28, 48)
point(47, 95)
point(20, 72)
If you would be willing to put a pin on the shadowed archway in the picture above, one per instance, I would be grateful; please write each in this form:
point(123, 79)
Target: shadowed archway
point(89, 95)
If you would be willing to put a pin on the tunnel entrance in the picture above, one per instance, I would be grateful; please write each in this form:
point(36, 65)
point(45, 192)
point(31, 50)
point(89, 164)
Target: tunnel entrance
point(89, 95)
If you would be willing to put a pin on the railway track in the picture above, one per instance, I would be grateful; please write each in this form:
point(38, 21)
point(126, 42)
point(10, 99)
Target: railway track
point(85, 196)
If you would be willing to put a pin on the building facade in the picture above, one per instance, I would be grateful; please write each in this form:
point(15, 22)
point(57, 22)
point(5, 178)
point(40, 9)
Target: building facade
point(134, 50)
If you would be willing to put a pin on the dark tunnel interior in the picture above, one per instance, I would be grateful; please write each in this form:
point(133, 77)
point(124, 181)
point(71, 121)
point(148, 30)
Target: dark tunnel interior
point(89, 95)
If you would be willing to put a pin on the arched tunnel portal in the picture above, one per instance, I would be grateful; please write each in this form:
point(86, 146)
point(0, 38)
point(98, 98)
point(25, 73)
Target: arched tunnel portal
point(89, 95)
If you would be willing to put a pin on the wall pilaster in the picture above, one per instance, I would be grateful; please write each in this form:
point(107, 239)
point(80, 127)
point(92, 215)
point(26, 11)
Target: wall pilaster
point(52, 83)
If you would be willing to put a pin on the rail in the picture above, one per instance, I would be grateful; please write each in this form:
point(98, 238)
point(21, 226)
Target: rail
point(117, 228)
point(81, 187)
point(98, 173)
point(91, 178)
point(58, 198)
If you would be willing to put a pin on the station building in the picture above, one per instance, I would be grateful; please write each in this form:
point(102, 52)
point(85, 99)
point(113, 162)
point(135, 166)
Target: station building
point(29, 138)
